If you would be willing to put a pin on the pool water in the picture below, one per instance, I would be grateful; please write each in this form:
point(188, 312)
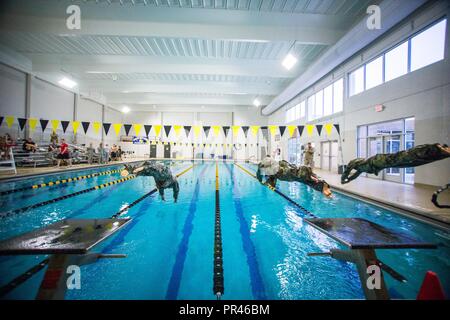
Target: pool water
point(169, 246)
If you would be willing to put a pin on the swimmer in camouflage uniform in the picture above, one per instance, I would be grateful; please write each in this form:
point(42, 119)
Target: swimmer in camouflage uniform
point(285, 171)
point(414, 157)
point(163, 176)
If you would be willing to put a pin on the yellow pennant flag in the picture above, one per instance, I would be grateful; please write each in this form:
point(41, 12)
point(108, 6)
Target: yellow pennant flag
point(55, 124)
point(75, 126)
point(273, 130)
point(291, 130)
point(32, 123)
point(157, 129)
point(197, 131)
point(137, 128)
point(117, 127)
point(255, 130)
point(96, 126)
point(328, 128)
point(9, 121)
point(235, 130)
point(216, 130)
point(177, 130)
point(310, 129)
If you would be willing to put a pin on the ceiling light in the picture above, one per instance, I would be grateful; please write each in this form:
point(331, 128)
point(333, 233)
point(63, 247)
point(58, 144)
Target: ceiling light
point(66, 82)
point(125, 109)
point(289, 61)
point(256, 103)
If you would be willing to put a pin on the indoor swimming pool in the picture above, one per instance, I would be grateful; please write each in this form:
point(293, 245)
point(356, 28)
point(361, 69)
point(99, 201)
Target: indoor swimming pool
point(169, 246)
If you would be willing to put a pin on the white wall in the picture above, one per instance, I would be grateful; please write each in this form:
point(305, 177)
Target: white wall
point(423, 94)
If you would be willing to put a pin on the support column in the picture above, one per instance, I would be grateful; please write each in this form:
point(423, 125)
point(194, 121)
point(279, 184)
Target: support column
point(101, 129)
point(76, 98)
point(28, 84)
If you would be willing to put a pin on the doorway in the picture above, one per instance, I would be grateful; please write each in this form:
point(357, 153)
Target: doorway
point(167, 151)
point(153, 151)
point(329, 156)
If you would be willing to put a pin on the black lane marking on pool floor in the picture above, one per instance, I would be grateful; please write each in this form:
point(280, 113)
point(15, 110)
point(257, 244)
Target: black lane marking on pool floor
point(306, 211)
point(218, 283)
point(60, 182)
point(180, 258)
point(38, 267)
point(71, 195)
point(256, 280)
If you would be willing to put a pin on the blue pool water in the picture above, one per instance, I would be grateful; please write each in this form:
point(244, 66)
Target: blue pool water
point(169, 246)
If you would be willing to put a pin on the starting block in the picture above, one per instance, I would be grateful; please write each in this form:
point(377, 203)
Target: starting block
point(362, 237)
point(68, 242)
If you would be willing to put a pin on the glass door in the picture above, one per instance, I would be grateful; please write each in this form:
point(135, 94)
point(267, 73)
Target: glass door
point(374, 147)
point(393, 144)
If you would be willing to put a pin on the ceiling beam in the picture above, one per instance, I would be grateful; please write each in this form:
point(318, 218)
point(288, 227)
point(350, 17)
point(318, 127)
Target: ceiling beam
point(142, 21)
point(134, 86)
point(182, 99)
point(79, 64)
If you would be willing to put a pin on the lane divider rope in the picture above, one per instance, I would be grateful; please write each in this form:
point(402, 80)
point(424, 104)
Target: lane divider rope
point(38, 267)
point(218, 283)
point(71, 195)
point(306, 211)
point(59, 182)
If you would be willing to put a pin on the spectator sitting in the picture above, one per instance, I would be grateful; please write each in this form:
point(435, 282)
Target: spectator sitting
point(6, 143)
point(64, 153)
point(29, 145)
point(119, 153)
point(114, 152)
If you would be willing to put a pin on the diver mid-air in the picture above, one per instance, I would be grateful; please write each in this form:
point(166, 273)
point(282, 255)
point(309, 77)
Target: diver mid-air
point(285, 171)
point(414, 157)
point(163, 176)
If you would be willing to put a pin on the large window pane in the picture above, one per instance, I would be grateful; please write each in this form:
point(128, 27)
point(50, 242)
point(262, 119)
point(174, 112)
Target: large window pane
point(338, 96)
point(397, 62)
point(319, 105)
point(428, 46)
point(297, 112)
point(311, 104)
point(374, 73)
point(356, 81)
point(302, 109)
point(328, 100)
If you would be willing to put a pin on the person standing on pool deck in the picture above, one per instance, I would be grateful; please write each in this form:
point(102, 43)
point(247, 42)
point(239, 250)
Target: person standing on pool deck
point(163, 176)
point(64, 153)
point(285, 171)
point(309, 155)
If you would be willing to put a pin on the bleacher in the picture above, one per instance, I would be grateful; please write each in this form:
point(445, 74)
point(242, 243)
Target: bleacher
point(42, 158)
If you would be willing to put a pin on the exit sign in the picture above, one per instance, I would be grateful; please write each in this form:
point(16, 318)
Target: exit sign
point(379, 108)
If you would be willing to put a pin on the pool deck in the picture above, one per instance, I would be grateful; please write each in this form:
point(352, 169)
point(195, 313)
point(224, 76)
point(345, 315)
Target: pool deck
point(415, 199)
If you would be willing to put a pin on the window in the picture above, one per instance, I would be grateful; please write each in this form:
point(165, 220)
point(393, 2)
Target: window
point(356, 81)
point(338, 96)
point(302, 109)
point(328, 100)
point(311, 107)
point(397, 62)
point(374, 73)
point(318, 110)
point(297, 112)
point(428, 47)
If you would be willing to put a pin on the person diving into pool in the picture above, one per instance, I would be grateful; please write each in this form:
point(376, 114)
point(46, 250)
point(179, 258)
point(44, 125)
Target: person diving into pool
point(163, 176)
point(285, 171)
point(414, 157)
